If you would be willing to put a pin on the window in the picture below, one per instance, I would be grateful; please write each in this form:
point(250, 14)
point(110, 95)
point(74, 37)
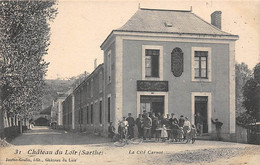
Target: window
point(201, 63)
point(100, 81)
point(81, 116)
point(152, 62)
point(87, 115)
point(91, 88)
point(108, 109)
point(91, 114)
point(109, 67)
point(100, 111)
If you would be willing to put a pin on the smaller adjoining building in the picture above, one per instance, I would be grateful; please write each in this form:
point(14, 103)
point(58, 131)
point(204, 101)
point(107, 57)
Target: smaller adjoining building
point(83, 107)
point(56, 110)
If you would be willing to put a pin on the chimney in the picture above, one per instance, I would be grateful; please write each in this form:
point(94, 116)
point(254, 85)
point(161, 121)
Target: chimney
point(95, 63)
point(216, 19)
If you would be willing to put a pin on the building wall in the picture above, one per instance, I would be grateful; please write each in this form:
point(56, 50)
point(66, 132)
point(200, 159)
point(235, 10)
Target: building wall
point(109, 87)
point(180, 88)
point(67, 112)
point(89, 92)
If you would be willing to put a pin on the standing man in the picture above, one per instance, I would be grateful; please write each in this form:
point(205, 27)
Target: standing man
point(111, 131)
point(181, 121)
point(139, 124)
point(173, 123)
point(218, 128)
point(147, 126)
point(173, 119)
point(154, 125)
point(131, 123)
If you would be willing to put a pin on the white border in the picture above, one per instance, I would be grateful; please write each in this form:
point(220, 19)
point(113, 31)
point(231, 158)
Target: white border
point(209, 69)
point(193, 94)
point(144, 47)
point(165, 94)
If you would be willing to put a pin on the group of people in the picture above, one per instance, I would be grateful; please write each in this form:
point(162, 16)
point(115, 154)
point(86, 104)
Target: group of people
point(157, 126)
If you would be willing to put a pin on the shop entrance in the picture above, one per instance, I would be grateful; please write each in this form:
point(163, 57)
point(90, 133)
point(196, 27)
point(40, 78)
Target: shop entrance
point(201, 107)
point(152, 104)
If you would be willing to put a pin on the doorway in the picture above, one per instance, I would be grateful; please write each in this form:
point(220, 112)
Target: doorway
point(152, 104)
point(201, 107)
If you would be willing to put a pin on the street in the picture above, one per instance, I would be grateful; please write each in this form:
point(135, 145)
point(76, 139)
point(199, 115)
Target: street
point(42, 135)
point(42, 145)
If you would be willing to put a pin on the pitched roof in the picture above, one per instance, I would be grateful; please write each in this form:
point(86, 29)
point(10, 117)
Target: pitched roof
point(169, 21)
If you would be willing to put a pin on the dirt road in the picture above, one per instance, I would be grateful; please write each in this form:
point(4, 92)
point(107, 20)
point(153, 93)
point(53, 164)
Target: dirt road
point(36, 147)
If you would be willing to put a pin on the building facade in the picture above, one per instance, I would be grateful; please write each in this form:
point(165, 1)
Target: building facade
point(164, 61)
point(56, 110)
point(83, 108)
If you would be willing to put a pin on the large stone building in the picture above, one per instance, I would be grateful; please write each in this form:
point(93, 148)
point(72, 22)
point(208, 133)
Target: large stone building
point(166, 61)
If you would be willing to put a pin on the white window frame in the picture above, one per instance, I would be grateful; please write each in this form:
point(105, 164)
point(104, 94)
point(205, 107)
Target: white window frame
point(209, 107)
point(144, 47)
point(209, 69)
point(109, 67)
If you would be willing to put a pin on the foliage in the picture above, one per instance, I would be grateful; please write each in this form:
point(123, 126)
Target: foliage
point(25, 34)
point(243, 73)
point(251, 92)
point(51, 88)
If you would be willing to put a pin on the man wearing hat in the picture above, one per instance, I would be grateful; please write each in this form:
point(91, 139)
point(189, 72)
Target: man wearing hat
point(131, 123)
point(218, 127)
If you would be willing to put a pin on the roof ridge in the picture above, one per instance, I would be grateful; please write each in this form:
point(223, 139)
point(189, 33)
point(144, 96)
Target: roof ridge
point(210, 24)
point(165, 10)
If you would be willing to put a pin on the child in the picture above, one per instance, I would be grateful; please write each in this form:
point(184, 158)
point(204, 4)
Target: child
point(180, 133)
point(164, 133)
point(193, 133)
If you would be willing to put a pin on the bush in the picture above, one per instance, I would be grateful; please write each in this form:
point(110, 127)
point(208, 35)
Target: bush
point(11, 132)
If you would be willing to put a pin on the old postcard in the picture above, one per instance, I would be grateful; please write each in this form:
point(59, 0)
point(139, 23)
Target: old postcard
point(129, 82)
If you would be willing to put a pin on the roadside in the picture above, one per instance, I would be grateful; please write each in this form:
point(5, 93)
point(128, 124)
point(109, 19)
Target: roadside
point(46, 146)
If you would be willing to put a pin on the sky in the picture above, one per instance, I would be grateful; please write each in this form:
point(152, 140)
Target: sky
point(81, 26)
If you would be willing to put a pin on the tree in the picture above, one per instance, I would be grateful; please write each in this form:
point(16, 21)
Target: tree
point(25, 34)
point(243, 74)
point(251, 93)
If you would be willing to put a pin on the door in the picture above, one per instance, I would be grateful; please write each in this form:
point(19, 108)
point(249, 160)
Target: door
point(201, 107)
point(152, 104)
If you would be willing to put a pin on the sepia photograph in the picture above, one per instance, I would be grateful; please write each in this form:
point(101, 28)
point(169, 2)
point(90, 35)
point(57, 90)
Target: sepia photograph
point(129, 82)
